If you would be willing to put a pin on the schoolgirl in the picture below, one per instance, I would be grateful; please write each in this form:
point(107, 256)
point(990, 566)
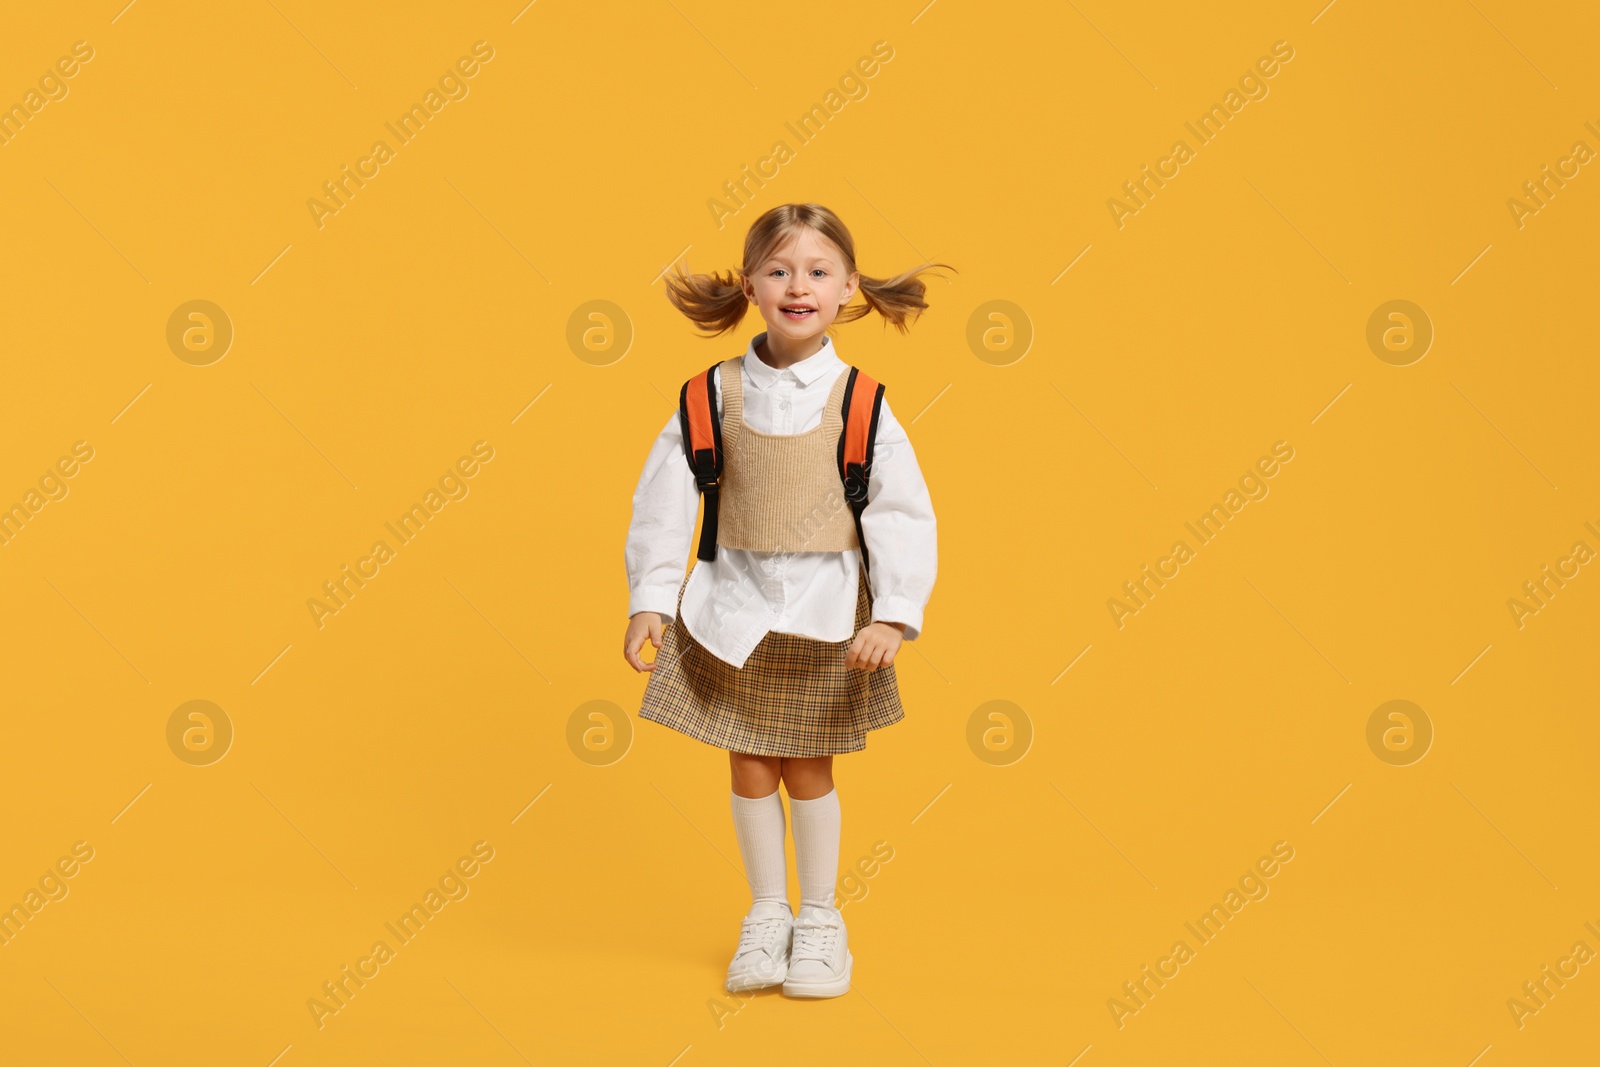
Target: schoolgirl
point(779, 644)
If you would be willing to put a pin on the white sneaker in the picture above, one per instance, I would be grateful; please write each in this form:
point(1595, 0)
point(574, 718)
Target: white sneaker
point(820, 960)
point(762, 958)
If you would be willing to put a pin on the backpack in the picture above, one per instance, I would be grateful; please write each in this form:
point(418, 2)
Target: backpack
point(701, 424)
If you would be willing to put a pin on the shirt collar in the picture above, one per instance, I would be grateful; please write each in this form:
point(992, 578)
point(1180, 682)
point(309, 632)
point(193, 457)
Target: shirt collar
point(807, 370)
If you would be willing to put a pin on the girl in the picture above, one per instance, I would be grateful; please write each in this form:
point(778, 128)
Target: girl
point(782, 657)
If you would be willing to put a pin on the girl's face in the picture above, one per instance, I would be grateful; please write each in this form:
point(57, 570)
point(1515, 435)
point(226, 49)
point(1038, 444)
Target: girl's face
point(808, 272)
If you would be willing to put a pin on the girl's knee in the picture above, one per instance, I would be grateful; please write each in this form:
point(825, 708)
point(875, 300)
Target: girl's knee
point(807, 778)
point(754, 776)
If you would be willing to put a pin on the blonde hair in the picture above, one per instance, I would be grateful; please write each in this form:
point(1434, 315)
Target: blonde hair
point(716, 301)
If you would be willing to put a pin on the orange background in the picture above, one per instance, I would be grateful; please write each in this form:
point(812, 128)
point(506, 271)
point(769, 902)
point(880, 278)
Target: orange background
point(1040, 859)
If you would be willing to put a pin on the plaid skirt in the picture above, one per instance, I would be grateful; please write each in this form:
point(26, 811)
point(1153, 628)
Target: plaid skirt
point(793, 696)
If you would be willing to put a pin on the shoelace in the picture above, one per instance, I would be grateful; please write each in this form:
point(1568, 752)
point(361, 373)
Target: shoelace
point(813, 940)
point(760, 934)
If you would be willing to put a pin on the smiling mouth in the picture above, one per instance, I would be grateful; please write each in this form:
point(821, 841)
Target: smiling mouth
point(798, 311)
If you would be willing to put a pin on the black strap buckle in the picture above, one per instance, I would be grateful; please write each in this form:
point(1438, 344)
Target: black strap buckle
point(705, 469)
point(855, 483)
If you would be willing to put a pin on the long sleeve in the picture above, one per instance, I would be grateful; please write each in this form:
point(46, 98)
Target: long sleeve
point(900, 530)
point(665, 504)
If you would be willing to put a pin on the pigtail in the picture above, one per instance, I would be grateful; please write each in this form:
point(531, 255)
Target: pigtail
point(711, 301)
point(898, 299)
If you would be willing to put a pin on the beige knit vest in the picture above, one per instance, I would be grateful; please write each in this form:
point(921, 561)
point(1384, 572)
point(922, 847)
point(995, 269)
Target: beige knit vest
point(781, 492)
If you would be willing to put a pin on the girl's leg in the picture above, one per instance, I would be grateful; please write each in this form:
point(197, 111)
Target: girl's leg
point(814, 806)
point(755, 776)
point(808, 779)
point(758, 824)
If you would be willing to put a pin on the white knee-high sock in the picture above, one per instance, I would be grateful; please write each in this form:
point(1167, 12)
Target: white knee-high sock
point(758, 823)
point(816, 847)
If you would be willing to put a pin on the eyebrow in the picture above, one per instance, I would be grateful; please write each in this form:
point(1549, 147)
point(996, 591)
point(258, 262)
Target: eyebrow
point(785, 261)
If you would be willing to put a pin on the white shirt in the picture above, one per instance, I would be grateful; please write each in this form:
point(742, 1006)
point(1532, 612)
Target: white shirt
point(731, 602)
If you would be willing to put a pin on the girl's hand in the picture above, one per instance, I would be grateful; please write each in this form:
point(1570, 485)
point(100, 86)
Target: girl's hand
point(643, 625)
point(875, 646)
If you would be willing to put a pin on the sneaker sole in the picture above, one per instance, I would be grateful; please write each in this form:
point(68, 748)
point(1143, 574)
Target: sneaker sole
point(745, 985)
point(834, 988)
point(745, 982)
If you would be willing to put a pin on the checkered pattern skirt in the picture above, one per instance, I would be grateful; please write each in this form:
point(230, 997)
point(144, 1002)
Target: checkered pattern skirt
point(793, 696)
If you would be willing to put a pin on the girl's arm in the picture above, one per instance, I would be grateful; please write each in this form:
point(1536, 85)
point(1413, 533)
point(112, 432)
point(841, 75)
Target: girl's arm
point(664, 506)
point(899, 527)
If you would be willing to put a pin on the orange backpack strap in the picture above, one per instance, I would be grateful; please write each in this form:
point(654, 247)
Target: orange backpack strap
point(863, 399)
point(701, 424)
